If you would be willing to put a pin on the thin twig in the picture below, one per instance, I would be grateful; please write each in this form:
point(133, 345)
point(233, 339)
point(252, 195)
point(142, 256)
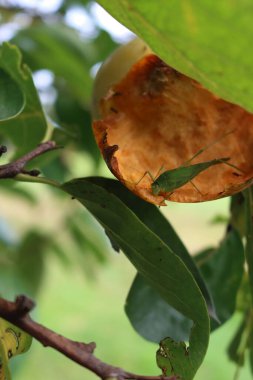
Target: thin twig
point(12, 169)
point(82, 353)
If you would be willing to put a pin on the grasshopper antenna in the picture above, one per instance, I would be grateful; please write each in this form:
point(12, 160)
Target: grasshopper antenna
point(209, 146)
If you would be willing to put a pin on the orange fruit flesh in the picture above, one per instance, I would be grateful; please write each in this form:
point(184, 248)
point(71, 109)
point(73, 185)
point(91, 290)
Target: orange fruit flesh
point(156, 119)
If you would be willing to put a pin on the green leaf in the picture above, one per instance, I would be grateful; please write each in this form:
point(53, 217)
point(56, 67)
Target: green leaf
point(237, 213)
point(250, 346)
point(22, 264)
point(171, 358)
point(223, 269)
point(207, 40)
point(147, 311)
point(13, 341)
point(233, 350)
point(28, 128)
point(151, 316)
point(248, 207)
point(156, 262)
point(29, 264)
point(11, 97)
point(155, 220)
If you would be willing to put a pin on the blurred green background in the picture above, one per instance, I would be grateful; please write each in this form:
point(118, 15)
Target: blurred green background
point(89, 306)
point(79, 283)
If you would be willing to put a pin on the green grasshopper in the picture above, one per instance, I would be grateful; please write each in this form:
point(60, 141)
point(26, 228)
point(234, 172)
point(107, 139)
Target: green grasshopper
point(171, 180)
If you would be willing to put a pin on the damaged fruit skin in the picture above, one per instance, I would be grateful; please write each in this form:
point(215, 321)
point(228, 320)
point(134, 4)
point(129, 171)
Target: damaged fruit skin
point(156, 117)
point(115, 68)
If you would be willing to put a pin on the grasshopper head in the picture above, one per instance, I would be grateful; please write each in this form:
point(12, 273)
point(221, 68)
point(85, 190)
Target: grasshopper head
point(155, 188)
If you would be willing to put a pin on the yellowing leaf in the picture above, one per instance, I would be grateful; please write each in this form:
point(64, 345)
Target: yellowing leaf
point(13, 341)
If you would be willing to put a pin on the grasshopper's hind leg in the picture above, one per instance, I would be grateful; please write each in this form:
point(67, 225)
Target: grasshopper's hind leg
point(195, 187)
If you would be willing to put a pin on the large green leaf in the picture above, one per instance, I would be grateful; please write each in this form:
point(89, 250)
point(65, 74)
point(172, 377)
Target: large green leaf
point(149, 314)
point(207, 40)
point(155, 220)
point(13, 341)
point(28, 128)
point(157, 263)
point(222, 269)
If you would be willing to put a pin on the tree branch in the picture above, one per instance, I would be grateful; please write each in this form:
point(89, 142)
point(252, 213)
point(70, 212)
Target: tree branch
point(82, 353)
point(17, 167)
